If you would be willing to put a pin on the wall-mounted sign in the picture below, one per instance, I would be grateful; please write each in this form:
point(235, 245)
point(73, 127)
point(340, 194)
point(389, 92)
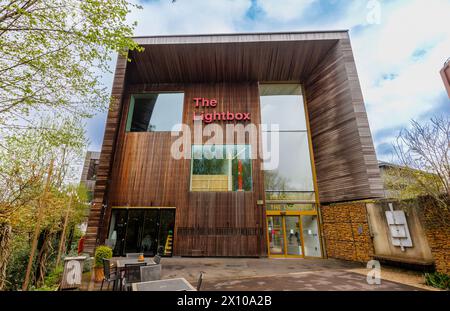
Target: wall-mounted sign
point(398, 228)
point(208, 117)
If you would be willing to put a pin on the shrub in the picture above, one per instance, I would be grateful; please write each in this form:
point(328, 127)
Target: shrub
point(54, 277)
point(100, 253)
point(52, 280)
point(438, 280)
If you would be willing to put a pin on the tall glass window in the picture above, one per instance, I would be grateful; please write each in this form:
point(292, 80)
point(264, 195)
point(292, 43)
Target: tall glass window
point(282, 105)
point(155, 112)
point(221, 168)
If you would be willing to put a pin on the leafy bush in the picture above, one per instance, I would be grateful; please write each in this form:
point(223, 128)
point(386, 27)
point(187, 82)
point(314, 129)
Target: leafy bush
point(438, 280)
point(52, 280)
point(15, 271)
point(54, 277)
point(100, 253)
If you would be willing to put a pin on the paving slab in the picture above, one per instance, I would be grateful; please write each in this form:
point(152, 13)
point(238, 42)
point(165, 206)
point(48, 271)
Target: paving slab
point(270, 274)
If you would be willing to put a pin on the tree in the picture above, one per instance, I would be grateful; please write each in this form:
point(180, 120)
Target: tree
point(52, 54)
point(424, 151)
point(34, 166)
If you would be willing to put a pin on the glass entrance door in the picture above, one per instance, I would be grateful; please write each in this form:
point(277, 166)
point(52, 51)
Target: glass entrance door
point(293, 235)
point(293, 238)
point(284, 236)
point(276, 235)
point(141, 231)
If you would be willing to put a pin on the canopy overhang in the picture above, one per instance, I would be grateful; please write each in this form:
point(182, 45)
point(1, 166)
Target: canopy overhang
point(268, 57)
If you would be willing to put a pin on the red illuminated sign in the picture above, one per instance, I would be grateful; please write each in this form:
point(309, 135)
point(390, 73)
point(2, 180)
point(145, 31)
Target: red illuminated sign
point(208, 117)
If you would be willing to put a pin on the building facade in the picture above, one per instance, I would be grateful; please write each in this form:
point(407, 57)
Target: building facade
point(89, 173)
point(246, 195)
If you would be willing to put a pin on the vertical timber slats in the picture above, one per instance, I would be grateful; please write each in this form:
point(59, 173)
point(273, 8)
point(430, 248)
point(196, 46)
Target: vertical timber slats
point(344, 154)
point(96, 217)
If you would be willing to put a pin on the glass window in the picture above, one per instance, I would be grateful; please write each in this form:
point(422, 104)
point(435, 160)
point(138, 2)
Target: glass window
point(282, 104)
point(155, 112)
point(221, 168)
point(311, 238)
point(294, 171)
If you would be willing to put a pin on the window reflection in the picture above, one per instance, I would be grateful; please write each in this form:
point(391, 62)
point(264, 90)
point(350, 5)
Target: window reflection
point(294, 171)
point(282, 104)
point(155, 112)
point(221, 168)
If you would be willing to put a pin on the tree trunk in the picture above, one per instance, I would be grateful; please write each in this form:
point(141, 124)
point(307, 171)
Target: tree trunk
point(70, 239)
point(5, 251)
point(63, 234)
point(37, 228)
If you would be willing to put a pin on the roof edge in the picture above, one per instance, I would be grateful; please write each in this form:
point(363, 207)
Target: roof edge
point(243, 37)
point(244, 33)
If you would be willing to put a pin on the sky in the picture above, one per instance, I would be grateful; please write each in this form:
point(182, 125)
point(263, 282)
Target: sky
point(399, 47)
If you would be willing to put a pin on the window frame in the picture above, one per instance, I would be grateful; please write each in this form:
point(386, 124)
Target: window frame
point(130, 112)
point(224, 145)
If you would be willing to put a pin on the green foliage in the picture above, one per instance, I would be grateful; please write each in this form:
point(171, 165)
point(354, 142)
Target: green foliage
point(438, 280)
point(54, 52)
point(24, 162)
point(54, 278)
point(15, 272)
point(100, 253)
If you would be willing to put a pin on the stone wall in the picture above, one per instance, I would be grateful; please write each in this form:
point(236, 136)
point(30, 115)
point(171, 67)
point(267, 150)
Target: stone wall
point(347, 235)
point(346, 231)
point(437, 229)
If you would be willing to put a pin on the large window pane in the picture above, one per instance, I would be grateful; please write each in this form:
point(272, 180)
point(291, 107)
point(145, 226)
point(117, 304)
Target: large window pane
point(282, 104)
point(311, 237)
point(221, 168)
point(294, 168)
point(155, 112)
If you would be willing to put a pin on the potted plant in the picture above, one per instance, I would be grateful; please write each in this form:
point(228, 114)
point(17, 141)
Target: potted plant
point(100, 253)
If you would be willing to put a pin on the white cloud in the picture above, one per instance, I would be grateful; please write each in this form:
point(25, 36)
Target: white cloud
point(285, 10)
point(188, 16)
point(385, 49)
point(388, 48)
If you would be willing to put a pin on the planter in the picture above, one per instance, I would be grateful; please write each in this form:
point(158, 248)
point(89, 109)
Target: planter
point(99, 275)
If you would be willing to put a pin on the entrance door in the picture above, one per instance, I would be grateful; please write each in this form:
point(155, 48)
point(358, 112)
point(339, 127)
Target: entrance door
point(293, 236)
point(142, 231)
point(284, 236)
point(276, 235)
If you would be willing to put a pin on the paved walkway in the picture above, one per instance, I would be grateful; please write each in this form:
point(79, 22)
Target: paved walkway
point(267, 274)
point(274, 274)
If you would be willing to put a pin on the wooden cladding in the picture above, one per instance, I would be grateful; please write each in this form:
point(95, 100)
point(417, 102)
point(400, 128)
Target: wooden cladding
point(96, 214)
point(219, 231)
point(136, 169)
point(145, 174)
point(345, 160)
point(228, 62)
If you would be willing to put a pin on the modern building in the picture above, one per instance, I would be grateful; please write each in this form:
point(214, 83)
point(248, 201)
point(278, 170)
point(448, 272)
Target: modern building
point(89, 173)
point(216, 199)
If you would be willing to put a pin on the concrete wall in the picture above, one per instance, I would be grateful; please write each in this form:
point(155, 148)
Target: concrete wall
point(420, 252)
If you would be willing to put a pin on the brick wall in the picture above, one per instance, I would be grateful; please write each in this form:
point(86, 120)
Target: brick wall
point(436, 221)
point(346, 231)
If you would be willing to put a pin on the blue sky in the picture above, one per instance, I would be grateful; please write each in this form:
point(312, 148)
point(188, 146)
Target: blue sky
point(398, 52)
